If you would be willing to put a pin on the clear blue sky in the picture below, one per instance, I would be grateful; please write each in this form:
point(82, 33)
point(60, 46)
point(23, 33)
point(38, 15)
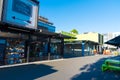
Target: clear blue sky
point(84, 15)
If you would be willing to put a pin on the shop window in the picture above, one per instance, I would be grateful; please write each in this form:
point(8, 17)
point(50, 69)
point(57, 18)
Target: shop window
point(15, 51)
point(38, 51)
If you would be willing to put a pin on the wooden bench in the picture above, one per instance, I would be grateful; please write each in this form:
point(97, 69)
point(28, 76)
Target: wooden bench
point(110, 64)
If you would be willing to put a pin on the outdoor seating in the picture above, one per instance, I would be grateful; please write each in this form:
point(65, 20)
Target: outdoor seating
point(110, 64)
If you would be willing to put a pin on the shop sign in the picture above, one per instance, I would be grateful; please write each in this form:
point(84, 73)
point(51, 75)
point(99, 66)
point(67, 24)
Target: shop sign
point(22, 13)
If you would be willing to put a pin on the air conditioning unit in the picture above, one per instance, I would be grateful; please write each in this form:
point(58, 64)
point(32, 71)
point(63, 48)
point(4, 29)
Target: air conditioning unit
point(23, 13)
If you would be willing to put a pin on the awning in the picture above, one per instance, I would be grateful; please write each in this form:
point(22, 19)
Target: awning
point(36, 32)
point(115, 41)
point(52, 34)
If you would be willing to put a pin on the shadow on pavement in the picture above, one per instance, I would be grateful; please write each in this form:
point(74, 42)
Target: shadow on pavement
point(94, 72)
point(26, 72)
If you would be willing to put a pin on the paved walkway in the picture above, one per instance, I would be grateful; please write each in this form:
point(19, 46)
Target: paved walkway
point(82, 68)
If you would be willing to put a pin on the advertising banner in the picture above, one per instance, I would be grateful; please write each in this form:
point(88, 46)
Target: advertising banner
point(22, 13)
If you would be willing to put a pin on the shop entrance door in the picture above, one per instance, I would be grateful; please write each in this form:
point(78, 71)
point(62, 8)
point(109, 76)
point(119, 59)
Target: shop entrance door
point(38, 51)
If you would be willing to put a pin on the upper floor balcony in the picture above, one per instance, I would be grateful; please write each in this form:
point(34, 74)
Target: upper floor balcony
point(44, 24)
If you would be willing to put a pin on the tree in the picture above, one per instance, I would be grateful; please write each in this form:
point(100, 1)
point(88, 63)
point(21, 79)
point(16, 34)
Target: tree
point(74, 31)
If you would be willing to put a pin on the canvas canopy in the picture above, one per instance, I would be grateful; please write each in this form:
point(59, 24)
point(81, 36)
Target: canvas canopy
point(115, 41)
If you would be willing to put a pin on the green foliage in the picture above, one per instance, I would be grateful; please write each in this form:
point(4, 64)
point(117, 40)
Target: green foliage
point(68, 34)
point(73, 36)
point(74, 31)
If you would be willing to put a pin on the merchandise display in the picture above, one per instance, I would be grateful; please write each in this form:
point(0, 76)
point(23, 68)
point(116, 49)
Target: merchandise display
point(15, 51)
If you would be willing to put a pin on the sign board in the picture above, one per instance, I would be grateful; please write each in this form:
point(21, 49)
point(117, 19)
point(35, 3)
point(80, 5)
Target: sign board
point(22, 13)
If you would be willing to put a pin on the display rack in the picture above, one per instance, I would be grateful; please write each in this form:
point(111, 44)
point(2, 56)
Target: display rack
point(15, 52)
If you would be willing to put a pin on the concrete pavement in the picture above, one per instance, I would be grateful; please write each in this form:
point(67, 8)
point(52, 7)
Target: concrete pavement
point(81, 68)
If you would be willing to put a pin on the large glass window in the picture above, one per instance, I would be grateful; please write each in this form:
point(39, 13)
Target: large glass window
point(55, 49)
point(38, 49)
point(15, 51)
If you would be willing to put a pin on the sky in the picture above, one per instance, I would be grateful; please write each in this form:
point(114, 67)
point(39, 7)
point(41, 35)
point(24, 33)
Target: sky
point(100, 16)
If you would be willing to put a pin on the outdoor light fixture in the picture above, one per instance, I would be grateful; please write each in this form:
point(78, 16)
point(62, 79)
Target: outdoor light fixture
point(40, 30)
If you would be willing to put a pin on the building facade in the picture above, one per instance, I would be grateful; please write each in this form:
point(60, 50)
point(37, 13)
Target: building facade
point(44, 24)
point(91, 36)
point(24, 37)
point(85, 44)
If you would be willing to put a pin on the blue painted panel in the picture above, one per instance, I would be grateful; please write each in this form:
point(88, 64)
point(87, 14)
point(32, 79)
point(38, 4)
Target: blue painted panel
point(83, 47)
point(50, 28)
point(21, 13)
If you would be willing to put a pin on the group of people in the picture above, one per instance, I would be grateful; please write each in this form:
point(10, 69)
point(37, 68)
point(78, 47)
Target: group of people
point(107, 52)
point(104, 51)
